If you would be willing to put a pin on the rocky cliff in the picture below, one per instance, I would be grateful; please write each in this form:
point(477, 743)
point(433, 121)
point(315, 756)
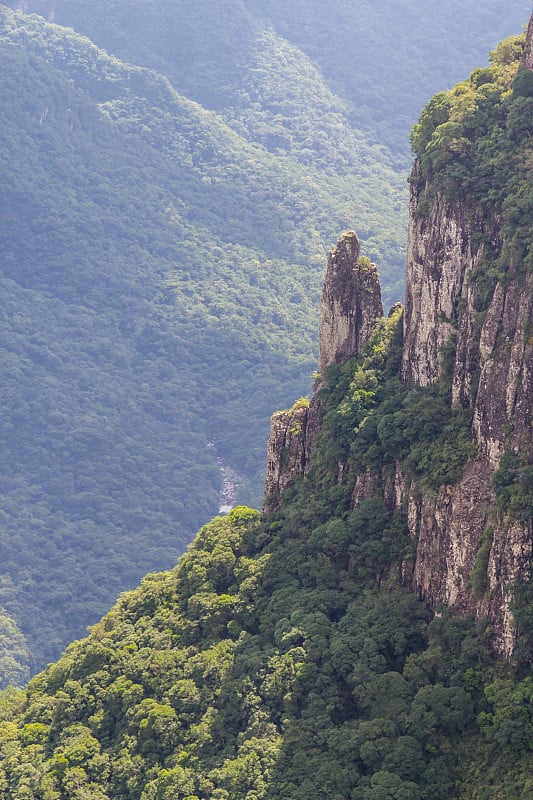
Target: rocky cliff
point(349, 308)
point(486, 344)
point(468, 331)
point(493, 374)
point(286, 452)
point(350, 304)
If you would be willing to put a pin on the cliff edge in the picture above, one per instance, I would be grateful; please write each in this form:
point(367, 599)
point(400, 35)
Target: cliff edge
point(467, 323)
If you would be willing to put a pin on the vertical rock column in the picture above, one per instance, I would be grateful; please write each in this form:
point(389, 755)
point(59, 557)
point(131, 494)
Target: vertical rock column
point(350, 305)
point(349, 309)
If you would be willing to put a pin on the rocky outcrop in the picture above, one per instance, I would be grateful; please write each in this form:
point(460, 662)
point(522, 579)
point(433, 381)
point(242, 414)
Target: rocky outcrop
point(286, 452)
point(349, 309)
point(478, 342)
point(491, 364)
point(366, 484)
point(504, 400)
point(440, 259)
point(448, 531)
point(350, 304)
point(527, 61)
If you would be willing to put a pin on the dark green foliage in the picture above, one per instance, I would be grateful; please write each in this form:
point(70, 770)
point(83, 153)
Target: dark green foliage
point(176, 691)
point(523, 613)
point(155, 253)
point(523, 84)
point(474, 144)
point(281, 659)
point(258, 670)
point(383, 59)
point(379, 421)
point(478, 575)
point(513, 484)
point(14, 654)
point(160, 278)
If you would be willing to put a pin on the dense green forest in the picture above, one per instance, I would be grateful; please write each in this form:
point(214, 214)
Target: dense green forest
point(163, 230)
point(160, 278)
point(383, 59)
point(282, 659)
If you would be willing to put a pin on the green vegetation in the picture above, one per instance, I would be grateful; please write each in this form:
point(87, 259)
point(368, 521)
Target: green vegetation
point(280, 660)
point(14, 654)
point(478, 576)
point(381, 59)
point(513, 484)
point(160, 279)
point(413, 425)
point(161, 263)
point(474, 144)
point(387, 57)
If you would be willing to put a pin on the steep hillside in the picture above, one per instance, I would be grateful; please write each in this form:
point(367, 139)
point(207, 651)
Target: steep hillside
point(383, 60)
point(451, 446)
point(160, 273)
point(386, 58)
point(287, 657)
point(159, 276)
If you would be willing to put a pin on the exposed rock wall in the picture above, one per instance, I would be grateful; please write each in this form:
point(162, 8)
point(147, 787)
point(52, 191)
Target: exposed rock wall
point(493, 375)
point(349, 309)
point(468, 555)
point(350, 304)
point(504, 400)
point(440, 258)
point(286, 453)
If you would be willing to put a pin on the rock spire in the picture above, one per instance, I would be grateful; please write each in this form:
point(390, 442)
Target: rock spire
point(349, 309)
point(350, 304)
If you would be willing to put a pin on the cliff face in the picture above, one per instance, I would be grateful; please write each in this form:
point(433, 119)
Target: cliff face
point(440, 258)
point(491, 372)
point(489, 346)
point(493, 375)
point(349, 308)
point(350, 304)
point(468, 329)
point(286, 452)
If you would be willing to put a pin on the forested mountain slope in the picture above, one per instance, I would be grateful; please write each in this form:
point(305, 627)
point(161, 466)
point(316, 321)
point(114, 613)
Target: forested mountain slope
point(386, 58)
point(383, 59)
point(160, 275)
point(287, 657)
point(161, 265)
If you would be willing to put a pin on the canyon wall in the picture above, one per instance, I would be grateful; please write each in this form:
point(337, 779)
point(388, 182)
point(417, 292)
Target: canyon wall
point(468, 330)
point(492, 374)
